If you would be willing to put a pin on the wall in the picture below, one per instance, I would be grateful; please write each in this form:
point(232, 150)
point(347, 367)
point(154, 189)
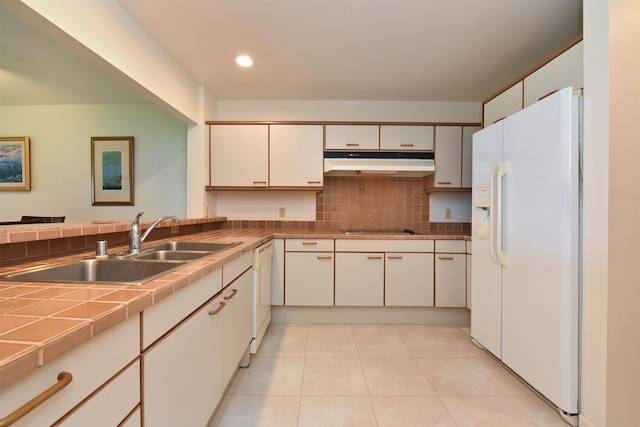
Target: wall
point(611, 320)
point(61, 160)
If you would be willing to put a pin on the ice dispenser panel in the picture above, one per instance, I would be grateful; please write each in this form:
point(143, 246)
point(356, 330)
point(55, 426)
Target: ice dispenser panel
point(482, 210)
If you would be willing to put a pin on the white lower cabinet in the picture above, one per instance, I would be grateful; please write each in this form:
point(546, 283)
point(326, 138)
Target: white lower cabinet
point(451, 273)
point(309, 278)
point(409, 279)
point(183, 371)
point(359, 279)
point(236, 327)
point(92, 364)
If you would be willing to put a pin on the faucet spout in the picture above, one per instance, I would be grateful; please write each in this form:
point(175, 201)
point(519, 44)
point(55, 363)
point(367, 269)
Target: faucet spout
point(135, 239)
point(156, 222)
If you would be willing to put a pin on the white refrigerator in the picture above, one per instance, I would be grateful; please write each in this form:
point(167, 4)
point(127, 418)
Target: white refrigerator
point(526, 238)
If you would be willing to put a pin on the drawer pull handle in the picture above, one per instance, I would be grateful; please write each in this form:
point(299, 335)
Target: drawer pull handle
point(323, 257)
point(259, 182)
point(501, 118)
point(352, 144)
point(445, 258)
point(217, 310)
point(374, 257)
point(394, 257)
point(233, 294)
point(313, 182)
point(309, 243)
point(64, 378)
point(444, 182)
point(406, 145)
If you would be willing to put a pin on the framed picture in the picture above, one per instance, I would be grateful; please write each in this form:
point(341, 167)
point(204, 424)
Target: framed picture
point(14, 164)
point(112, 171)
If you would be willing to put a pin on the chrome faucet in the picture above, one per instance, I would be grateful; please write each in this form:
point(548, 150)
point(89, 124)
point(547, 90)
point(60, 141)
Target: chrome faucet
point(135, 241)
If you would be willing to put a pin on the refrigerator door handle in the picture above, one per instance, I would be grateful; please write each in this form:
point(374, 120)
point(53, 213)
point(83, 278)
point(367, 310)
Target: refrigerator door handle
point(492, 213)
point(500, 174)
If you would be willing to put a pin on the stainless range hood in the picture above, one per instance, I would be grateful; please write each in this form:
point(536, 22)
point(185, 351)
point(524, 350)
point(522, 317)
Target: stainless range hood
point(397, 164)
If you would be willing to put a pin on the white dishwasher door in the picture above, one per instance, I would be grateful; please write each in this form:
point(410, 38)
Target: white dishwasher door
point(262, 257)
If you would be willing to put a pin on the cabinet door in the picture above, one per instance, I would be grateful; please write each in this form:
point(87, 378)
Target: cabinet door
point(182, 372)
point(295, 156)
point(408, 280)
point(360, 279)
point(309, 278)
point(451, 280)
point(467, 139)
point(277, 273)
point(503, 105)
point(448, 156)
point(237, 324)
point(469, 281)
point(239, 155)
point(406, 138)
point(563, 71)
point(352, 137)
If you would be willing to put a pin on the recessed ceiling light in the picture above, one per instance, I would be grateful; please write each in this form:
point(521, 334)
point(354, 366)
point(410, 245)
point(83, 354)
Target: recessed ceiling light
point(244, 61)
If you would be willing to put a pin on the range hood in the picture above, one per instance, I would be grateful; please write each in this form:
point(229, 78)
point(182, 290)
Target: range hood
point(396, 164)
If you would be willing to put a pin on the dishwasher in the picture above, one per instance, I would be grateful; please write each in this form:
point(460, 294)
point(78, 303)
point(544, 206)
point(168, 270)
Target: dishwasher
point(262, 256)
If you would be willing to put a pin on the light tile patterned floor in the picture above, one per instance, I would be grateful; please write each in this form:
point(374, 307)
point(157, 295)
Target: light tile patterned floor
point(379, 376)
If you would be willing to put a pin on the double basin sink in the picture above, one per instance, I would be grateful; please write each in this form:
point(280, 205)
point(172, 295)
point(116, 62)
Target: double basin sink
point(118, 269)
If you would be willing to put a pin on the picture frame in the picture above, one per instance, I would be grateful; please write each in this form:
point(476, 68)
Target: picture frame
point(15, 162)
point(112, 182)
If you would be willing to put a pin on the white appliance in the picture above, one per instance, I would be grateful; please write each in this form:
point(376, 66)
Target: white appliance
point(262, 257)
point(526, 246)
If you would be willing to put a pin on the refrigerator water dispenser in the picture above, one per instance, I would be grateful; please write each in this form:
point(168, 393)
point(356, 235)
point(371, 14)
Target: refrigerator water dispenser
point(481, 210)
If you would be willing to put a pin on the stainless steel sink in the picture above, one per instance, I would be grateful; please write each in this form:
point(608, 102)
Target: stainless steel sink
point(167, 255)
point(121, 268)
point(130, 272)
point(194, 246)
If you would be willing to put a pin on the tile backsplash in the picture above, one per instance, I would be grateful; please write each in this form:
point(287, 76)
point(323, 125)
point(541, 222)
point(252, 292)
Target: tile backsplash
point(378, 203)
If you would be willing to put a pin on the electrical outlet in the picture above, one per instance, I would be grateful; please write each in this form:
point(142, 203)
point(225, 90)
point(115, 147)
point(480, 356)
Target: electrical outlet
point(282, 212)
point(447, 213)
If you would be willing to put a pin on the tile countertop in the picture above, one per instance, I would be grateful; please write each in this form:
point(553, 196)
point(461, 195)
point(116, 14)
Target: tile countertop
point(40, 321)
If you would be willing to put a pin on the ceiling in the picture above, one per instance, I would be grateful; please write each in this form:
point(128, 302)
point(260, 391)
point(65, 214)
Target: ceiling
point(396, 50)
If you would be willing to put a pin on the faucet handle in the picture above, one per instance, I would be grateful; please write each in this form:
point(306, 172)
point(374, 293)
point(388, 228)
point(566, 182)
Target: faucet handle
point(137, 218)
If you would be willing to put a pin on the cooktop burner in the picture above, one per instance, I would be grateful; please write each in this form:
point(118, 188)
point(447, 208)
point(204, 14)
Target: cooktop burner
point(369, 233)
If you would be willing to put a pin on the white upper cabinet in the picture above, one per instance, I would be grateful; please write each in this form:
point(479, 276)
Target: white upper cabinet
point(560, 71)
point(503, 105)
point(295, 156)
point(352, 137)
point(563, 71)
point(448, 156)
point(239, 155)
point(400, 138)
point(467, 140)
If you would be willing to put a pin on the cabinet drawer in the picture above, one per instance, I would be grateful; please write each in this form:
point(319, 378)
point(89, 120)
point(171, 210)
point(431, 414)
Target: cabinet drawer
point(236, 267)
point(451, 246)
point(352, 137)
point(161, 317)
point(309, 245)
point(406, 138)
point(371, 245)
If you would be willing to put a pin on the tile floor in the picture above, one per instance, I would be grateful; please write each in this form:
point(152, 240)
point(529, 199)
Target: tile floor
point(377, 375)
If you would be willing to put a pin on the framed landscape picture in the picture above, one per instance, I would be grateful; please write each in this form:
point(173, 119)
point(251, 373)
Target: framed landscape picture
point(112, 171)
point(14, 164)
